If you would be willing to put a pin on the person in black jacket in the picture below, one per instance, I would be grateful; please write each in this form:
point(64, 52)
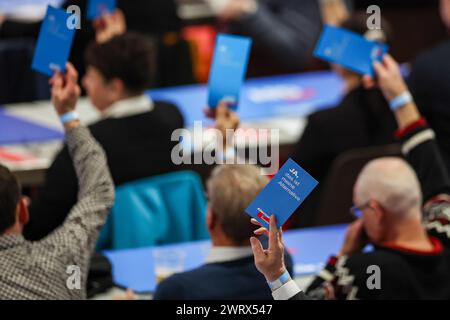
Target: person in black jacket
point(134, 131)
point(411, 255)
point(361, 119)
point(429, 82)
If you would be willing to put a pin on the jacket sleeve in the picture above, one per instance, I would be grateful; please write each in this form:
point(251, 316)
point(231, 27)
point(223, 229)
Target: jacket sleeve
point(56, 198)
point(289, 31)
point(421, 150)
point(78, 234)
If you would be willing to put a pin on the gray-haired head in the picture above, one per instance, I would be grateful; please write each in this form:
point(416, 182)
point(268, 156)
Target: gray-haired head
point(231, 189)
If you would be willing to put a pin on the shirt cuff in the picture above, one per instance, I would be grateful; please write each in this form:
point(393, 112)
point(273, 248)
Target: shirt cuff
point(286, 291)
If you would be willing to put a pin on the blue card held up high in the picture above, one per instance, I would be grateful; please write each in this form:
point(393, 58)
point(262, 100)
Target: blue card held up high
point(54, 42)
point(283, 195)
point(349, 49)
point(228, 69)
point(98, 8)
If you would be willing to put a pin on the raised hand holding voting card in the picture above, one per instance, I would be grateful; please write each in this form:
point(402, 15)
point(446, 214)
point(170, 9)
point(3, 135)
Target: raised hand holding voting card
point(349, 49)
point(98, 8)
point(283, 195)
point(228, 70)
point(54, 42)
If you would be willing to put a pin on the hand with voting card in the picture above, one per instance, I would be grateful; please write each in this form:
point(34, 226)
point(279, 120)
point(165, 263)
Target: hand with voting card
point(228, 70)
point(349, 49)
point(54, 42)
point(98, 8)
point(283, 195)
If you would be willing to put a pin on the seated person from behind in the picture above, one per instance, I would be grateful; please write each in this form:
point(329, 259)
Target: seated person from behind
point(38, 270)
point(229, 271)
point(411, 240)
point(134, 130)
point(362, 119)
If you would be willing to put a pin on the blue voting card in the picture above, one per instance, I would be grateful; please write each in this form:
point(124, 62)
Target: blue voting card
point(54, 42)
point(228, 69)
point(98, 8)
point(349, 49)
point(283, 195)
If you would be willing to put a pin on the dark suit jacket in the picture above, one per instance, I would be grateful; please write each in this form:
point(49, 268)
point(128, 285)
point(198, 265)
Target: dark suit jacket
point(232, 280)
point(429, 83)
point(136, 147)
point(284, 34)
point(362, 119)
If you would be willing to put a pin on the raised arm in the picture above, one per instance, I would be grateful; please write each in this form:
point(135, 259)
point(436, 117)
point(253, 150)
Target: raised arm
point(420, 148)
point(289, 32)
point(79, 232)
point(418, 140)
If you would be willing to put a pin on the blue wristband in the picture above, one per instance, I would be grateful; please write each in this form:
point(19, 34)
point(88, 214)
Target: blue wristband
point(401, 100)
point(283, 279)
point(69, 116)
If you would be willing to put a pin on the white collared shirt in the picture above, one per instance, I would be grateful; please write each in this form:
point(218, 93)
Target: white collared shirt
point(225, 254)
point(129, 107)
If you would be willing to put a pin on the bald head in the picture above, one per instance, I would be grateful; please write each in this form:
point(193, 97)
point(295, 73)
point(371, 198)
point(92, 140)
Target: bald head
point(393, 184)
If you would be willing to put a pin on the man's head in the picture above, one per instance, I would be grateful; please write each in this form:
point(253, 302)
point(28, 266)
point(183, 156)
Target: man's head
point(388, 193)
point(120, 68)
point(13, 209)
point(231, 189)
point(445, 12)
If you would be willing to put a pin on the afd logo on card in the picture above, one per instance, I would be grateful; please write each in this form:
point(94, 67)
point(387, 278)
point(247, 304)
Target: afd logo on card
point(263, 216)
point(376, 54)
point(279, 93)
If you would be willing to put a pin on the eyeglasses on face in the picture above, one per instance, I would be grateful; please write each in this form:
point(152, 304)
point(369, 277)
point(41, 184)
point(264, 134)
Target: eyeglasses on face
point(357, 211)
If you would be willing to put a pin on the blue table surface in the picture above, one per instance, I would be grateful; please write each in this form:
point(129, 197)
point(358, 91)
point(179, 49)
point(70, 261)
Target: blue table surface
point(310, 248)
point(14, 130)
point(264, 98)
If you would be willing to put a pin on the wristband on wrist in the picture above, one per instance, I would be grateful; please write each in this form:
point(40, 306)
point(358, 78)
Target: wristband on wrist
point(401, 100)
point(69, 116)
point(283, 279)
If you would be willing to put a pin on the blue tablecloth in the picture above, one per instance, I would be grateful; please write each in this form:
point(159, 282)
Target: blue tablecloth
point(309, 248)
point(262, 99)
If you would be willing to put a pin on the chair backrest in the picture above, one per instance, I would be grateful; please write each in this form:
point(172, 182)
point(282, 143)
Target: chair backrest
point(337, 195)
point(169, 208)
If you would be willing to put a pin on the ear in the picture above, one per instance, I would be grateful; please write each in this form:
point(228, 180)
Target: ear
point(210, 219)
point(117, 88)
point(23, 213)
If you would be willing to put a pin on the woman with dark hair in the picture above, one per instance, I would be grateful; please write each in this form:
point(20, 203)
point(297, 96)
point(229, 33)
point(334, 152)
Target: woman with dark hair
point(361, 119)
